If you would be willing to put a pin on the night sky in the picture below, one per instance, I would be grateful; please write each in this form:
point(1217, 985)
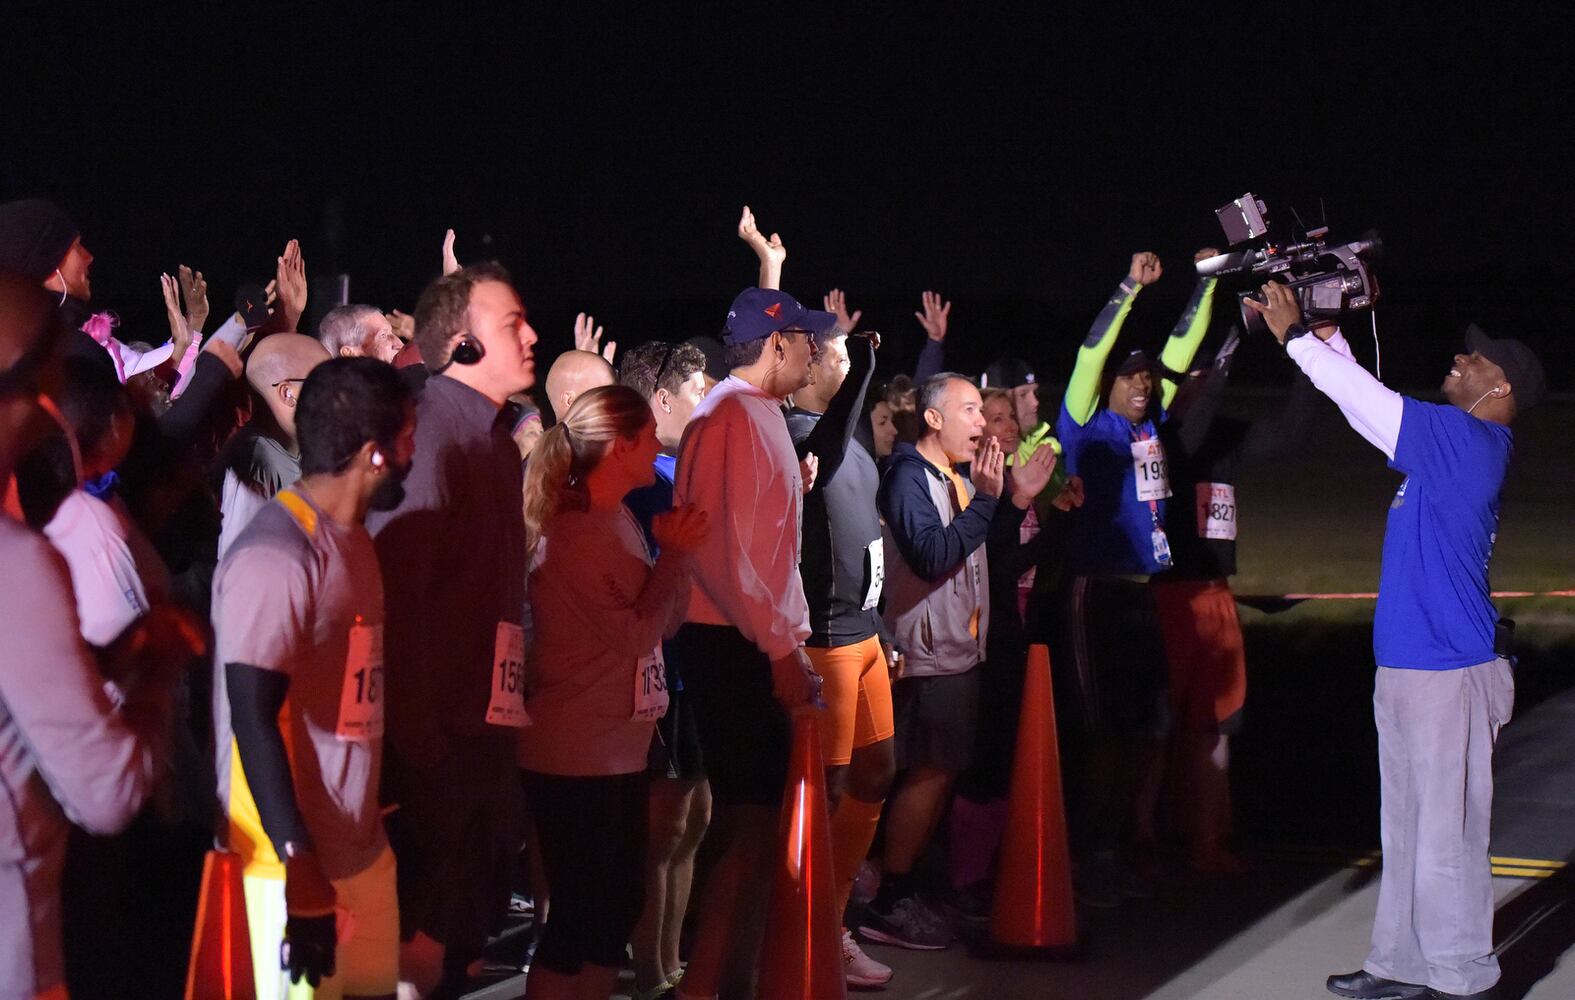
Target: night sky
point(1012, 162)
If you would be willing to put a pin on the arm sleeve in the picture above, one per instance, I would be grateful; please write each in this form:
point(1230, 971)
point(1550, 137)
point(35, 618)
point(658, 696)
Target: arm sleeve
point(178, 426)
point(831, 434)
point(1186, 335)
point(188, 366)
point(747, 564)
point(1082, 389)
point(232, 332)
point(931, 549)
point(932, 360)
point(256, 696)
point(630, 624)
point(1370, 407)
point(96, 766)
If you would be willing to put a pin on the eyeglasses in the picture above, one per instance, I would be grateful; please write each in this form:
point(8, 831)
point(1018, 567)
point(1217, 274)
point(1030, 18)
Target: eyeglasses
point(275, 385)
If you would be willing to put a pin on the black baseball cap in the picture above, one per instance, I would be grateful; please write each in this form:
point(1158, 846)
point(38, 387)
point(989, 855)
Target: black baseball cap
point(1527, 382)
point(1007, 373)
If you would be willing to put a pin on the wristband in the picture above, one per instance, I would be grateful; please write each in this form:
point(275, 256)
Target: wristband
point(1293, 331)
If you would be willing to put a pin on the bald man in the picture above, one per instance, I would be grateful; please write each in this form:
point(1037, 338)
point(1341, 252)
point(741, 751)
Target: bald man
point(573, 373)
point(264, 457)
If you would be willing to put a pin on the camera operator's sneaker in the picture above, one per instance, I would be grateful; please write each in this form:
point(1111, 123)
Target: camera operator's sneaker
point(863, 972)
point(908, 923)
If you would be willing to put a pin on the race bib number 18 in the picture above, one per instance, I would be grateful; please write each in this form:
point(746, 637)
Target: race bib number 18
point(506, 705)
point(1217, 511)
point(361, 698)
point(1149, 469)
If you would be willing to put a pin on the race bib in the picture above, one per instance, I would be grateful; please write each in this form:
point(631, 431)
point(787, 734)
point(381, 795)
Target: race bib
point(506, 705)
point(1149, 470)
point(1217, 511)
point(877, 575)
point(1161, 546)
point(650, 686)
point(361, 698)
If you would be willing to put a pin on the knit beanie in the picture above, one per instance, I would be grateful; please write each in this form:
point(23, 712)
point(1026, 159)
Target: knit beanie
point(34, 237)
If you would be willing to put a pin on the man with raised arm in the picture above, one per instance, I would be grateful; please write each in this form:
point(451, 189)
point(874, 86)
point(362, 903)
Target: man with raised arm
point(743, 644)
point(843, 569)
point(453, 559)
point(1445, 680)
point(1114, 674)
point(299, 695)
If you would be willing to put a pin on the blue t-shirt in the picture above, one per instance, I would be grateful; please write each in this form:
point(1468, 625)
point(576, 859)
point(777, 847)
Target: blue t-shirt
point(657, 498)
point(1113, 532)
point(1435, 608)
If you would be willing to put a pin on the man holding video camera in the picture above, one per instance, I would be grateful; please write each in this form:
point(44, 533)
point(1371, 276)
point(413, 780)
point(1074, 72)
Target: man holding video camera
point(1445, 683)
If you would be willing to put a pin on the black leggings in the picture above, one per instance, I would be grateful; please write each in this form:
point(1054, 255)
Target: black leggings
point(592, 832)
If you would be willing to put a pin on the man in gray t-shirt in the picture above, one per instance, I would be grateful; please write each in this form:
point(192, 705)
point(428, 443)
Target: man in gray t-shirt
point(299, 693)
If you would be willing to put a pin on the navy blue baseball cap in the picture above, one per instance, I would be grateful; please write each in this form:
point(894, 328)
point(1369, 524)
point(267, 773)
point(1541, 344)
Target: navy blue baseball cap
point(757, 313)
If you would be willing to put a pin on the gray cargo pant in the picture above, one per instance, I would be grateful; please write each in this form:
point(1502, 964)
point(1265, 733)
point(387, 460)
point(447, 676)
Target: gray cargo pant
point(1436, 730)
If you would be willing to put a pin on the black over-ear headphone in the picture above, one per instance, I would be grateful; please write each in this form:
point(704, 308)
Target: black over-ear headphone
point(467, 352)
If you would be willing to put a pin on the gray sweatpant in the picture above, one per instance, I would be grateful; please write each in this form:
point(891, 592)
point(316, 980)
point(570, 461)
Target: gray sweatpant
point(1436, 730)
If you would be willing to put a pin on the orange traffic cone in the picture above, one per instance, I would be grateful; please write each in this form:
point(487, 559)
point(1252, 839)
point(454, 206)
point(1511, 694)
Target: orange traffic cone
point(221, 948)
point(802, 955)
point(1033, 890)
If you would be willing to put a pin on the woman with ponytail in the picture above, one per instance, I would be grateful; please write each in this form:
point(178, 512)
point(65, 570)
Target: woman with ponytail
point(601, 609)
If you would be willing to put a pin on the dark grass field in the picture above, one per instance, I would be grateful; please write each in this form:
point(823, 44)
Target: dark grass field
point(1305, 768)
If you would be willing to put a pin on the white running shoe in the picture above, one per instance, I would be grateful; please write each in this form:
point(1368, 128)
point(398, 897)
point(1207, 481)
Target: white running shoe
point(863, 972)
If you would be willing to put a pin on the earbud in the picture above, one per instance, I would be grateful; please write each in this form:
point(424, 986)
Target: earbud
point(377, 460)
point(467, 351)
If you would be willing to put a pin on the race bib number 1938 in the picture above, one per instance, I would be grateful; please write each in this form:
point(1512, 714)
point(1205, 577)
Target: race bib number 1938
point(1150, 471)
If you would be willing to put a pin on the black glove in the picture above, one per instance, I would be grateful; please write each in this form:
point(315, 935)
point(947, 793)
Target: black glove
point(308, 948)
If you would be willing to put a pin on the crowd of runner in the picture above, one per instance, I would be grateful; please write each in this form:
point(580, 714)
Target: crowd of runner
point(426, 635)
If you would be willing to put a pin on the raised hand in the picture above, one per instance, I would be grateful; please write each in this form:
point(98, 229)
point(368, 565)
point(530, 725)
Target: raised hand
point(836, 301)
point(771, 252)
point(989, 468)
point(1032, 476)
point(681, 530)
point(935, 315)
point(195, 291)
point(588, 337)
point(404, 325)
point(808, 469)
point(1279, 308)
point(450, 262)
point(180, 333)
point(290, 279)
point(1145, 268)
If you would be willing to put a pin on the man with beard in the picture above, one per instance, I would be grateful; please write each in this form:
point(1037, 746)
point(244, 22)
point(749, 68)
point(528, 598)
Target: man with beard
point(298, 610)
point(743, 643)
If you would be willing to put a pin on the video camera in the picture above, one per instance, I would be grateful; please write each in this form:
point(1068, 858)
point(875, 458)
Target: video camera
point(1328, 280)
